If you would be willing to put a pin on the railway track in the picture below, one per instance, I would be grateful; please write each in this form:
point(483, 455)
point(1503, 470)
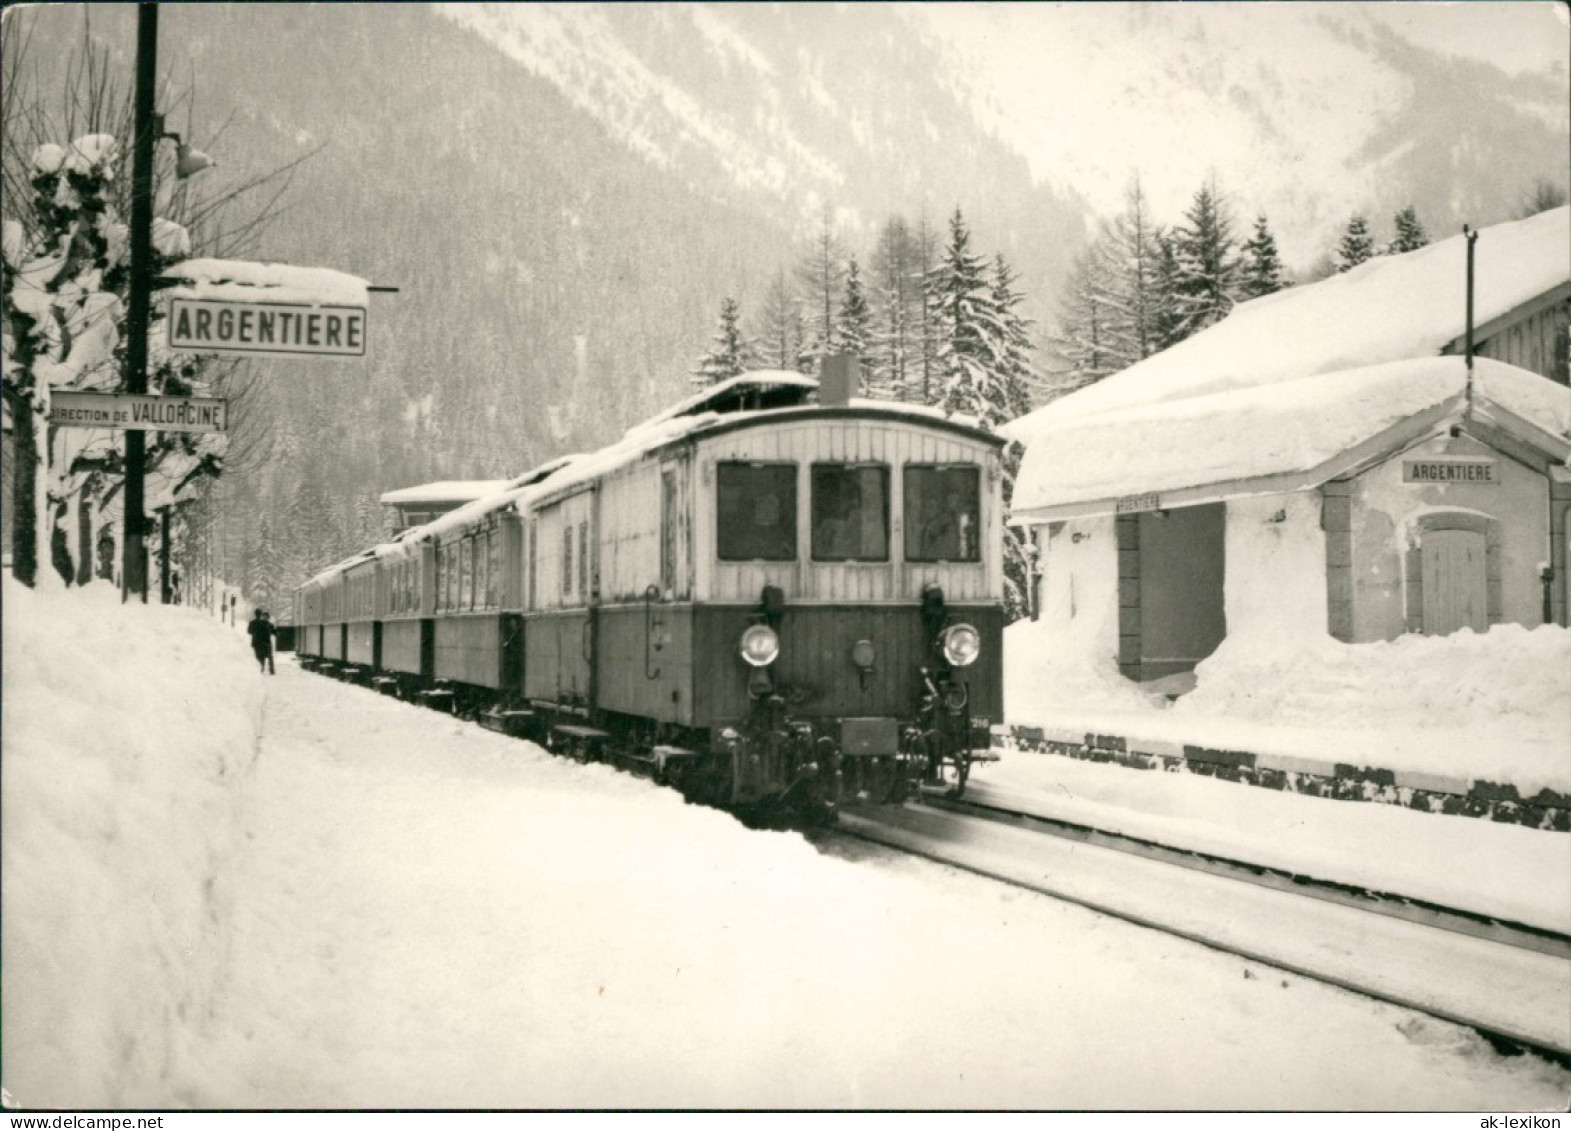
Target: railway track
point(1510, 982)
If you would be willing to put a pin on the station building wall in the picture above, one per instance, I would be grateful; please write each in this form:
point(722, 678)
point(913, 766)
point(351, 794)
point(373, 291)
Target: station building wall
point(1381, 528)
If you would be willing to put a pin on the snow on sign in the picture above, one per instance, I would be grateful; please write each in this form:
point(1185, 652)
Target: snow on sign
point(235, 306)
point(137, 413)
point(251, 328)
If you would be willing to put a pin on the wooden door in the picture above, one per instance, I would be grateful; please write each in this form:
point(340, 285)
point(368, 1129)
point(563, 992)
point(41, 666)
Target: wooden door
point(1455, 585)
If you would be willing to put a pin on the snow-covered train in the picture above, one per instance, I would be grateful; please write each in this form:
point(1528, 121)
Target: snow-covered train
point(766, 599)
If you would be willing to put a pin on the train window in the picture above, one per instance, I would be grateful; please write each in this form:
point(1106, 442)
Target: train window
point(453, 565)
point(850, 512)
point(667, 530)
point(583, 560)
point(534, 559)
point(756, 512)
point(942, 513)
point(567, 560)
point(441, 579)
point(465, 573)
point(493, 571)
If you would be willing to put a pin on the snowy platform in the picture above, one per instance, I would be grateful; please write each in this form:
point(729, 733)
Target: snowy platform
point(1507, 871)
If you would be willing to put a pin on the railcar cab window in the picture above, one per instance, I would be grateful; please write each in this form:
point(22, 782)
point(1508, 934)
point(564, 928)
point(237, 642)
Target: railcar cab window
point(756, 512)
point(942, 509)
point(850, 512)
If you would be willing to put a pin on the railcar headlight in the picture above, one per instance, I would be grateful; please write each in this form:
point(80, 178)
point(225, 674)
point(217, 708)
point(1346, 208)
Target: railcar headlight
point(760, 645)
point(962, 644)
point(863, 654)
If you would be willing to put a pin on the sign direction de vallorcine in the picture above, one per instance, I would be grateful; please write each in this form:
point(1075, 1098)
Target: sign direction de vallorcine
point(260, 328)
point(137, 413)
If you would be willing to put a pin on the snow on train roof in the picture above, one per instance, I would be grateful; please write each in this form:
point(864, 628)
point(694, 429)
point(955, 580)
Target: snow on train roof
point(446, 491)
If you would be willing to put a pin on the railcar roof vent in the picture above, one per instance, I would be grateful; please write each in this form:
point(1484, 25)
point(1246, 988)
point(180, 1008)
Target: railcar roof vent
point(758, 389)
point(840, 380)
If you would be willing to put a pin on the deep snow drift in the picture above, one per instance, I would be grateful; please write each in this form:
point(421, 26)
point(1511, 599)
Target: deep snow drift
point(226, 889)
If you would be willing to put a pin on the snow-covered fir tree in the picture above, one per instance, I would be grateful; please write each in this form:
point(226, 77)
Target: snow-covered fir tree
point(1166, 320)
point(1356, 246)
point(1019, 377)
point(1260, 272)
point(1207, 264)
point(969, 328)
point(853, 323)
point(729, 351)
point(923, 380)
point(1410, 233)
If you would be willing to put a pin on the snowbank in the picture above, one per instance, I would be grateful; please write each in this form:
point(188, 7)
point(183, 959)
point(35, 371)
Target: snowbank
point(1493, 706)
point(117, 823)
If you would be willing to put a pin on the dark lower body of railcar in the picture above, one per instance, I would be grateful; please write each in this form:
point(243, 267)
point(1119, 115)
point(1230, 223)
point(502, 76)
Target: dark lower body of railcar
point(859, 704)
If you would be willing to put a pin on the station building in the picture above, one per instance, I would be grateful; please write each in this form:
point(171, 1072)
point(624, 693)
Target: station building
point(1328, 459)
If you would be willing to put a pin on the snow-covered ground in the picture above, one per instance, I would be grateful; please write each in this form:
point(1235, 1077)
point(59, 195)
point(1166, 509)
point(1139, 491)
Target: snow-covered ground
point(223, 889)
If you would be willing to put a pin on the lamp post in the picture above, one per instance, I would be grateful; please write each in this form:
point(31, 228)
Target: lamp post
point(148, 126)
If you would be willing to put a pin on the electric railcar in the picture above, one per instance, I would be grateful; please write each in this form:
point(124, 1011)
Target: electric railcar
point(766, 599)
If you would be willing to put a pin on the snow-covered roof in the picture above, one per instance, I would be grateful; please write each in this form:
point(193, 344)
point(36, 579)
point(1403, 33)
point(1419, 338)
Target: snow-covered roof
point(1390, 308)
point(1289, 382)
point(446, 491)
point(1285, 436)
point(240, 280)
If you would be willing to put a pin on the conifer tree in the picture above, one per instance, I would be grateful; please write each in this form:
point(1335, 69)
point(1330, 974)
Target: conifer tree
point(1207, 267)
point(1166, 320)
point(1261, 270)
point(896, 301)
point(781, 338)
point(1410, 233)
point(923, 380)
point(853, 325)
point(1356, 246)
point(969, 329)
point(1018, 377)
point(1128, 283)
point(729, 352)
point(821, 272)
point(1084, 339)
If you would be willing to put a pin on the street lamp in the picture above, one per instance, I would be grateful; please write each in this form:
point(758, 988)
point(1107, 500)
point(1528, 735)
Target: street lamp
point(149, 130)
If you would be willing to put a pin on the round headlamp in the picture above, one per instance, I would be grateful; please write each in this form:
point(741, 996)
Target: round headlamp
point(760, 645)
point(962, 644)
point(863, 654)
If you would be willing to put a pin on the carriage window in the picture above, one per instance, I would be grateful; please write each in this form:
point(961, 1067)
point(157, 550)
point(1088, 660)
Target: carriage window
point(850, 513)
point(667, 529)
point(493, 571)
point(757, 511)
point(942, 513)
point(583, 560)
point(567, 559)
point(441, 578)
point(465, 573)
point(534, 559)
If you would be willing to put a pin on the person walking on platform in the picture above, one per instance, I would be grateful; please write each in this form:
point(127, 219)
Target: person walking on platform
point(262, 632)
